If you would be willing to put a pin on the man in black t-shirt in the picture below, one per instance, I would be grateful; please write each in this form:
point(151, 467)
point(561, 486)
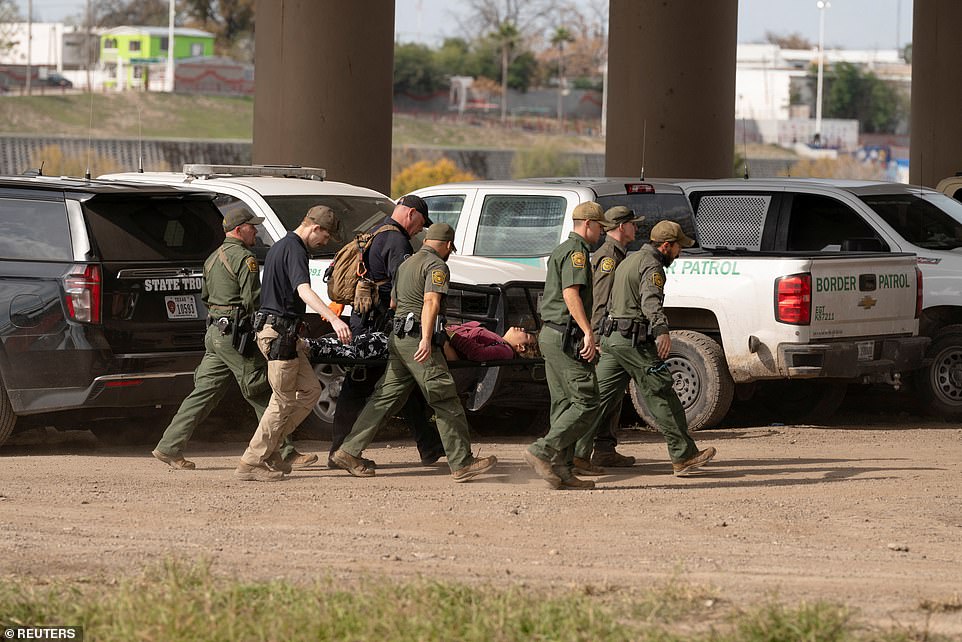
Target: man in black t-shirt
point(285, 294)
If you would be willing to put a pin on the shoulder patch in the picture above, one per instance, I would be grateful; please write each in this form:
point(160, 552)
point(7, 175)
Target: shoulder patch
point(658, 279)
point(438, 277)
point(578, 259)
point(607, 264)
point(251, 264)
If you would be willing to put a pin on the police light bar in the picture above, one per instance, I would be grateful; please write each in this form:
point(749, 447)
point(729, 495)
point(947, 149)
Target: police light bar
point(639, 188)
point(199, 170)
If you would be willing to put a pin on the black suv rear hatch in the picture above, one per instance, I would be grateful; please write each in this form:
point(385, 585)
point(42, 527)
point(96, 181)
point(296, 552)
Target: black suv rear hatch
point(152, 253)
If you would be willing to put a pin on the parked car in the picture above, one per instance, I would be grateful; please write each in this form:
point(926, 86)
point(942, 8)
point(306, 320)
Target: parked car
point(56, 80)
point(100, 313)
point(732, 310)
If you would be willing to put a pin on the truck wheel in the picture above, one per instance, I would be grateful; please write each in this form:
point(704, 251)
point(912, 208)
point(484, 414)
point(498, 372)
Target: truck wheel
point(940, 383)
point(320, 423)
point(701, 380)
point(7, 419)
point(801, 401)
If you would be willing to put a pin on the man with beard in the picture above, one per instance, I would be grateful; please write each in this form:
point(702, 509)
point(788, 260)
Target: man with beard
point(635, 343)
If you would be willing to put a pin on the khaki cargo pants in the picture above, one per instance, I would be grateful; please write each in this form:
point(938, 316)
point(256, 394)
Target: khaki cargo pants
point(295, 391)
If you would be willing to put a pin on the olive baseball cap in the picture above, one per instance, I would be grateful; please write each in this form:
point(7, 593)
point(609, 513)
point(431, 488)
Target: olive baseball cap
point(619, 215)
point(237, 217)
point(671, 232)
point(589, 211)
point(325, 217)
point(440, 232)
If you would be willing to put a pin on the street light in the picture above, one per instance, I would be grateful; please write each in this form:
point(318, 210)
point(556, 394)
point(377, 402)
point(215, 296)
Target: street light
point(822, 6)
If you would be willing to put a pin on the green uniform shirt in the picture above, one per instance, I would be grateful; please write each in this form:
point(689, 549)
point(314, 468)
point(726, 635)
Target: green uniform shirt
point(603, 264)
point(567, 266)
point(231, 279)
point(638, 291)
point(424, 271)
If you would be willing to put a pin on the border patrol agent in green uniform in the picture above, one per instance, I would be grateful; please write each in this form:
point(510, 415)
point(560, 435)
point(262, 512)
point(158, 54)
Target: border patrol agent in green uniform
point(621, 225)
point(231, 292)
point(636, 313)
point(416, 359)
point(568, 346)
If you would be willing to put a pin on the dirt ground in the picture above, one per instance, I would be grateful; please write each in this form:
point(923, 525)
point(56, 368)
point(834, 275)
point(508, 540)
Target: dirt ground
point(865, 513)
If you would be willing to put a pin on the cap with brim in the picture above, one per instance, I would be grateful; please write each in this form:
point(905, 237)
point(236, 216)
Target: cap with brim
point(416, 202)
point(619, 215)
point(441, 232)
point(237, 217)
point(589, 211)
point(325, 217)
point(671, 232)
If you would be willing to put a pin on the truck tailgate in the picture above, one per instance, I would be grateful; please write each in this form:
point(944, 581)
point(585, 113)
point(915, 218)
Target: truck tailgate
point(862, 296)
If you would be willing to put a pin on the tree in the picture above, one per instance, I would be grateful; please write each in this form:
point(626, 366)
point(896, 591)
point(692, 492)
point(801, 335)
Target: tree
point(559, 38)
point(863, 96)
point(507, 36)
point(116, 13)
point(9, 14)
point(425, 173)
point(416, 70)
point(793, 40)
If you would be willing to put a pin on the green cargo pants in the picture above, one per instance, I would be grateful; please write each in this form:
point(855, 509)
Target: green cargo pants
point(220, 363)
point(620, 362)
point(574, 400)
point(392, 390)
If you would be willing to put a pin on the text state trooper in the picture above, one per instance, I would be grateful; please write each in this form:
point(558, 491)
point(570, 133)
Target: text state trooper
point(416, 360)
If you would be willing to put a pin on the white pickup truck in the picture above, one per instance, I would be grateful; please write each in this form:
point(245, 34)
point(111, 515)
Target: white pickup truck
point(740, 317)
point(800, 215)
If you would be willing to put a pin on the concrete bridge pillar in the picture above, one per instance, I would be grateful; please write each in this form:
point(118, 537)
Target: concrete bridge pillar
point(324, 78)
point(936, 133)
point(671, 64)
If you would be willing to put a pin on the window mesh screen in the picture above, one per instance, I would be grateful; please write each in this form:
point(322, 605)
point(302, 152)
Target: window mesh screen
point(732, 221)
point(519, 225)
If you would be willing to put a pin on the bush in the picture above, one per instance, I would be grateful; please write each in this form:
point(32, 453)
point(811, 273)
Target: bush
point(543, 160)
point(841, 167)
point(425, 174)
point(55, 163)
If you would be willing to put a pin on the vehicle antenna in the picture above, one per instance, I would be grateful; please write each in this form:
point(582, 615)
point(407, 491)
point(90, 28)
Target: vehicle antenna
point(140, 141)
point(745, 146)
point(644, 146)
point(788, 169)
point(90, 127)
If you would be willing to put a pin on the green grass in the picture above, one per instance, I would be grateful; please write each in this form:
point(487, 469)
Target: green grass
point(178, 602)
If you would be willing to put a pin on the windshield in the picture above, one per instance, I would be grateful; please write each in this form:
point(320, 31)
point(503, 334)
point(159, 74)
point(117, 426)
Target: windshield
point(931, 221)
point(655, 208)
point(356, 213)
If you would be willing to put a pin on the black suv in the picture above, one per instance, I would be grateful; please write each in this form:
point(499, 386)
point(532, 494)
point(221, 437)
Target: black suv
point(100, 313)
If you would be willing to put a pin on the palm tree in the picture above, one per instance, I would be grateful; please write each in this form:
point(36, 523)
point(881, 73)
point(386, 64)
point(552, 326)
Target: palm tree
point(507, 37)
point(558, 39)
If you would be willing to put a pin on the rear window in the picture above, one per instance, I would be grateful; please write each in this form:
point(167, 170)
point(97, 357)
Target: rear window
point(154, 228)
point(519, 226)
point(655, 208)
point(34, 230)
point(356, 213)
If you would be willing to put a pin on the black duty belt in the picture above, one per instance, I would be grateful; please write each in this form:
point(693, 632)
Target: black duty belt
point(262, 318)
point(560, 327)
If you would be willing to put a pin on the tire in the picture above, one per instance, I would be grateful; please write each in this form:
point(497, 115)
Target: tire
point(320, 423)
point(800, 401)
point(7, 418)
point(939, 384)
point(701, 380)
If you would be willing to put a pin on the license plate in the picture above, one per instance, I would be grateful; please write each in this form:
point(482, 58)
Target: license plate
point(185, 307)
point(866, 350)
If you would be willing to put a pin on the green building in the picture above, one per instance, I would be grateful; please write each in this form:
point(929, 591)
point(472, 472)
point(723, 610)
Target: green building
point(136, 57)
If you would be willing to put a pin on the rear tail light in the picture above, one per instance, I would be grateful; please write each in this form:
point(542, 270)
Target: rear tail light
point(918, 293)
point(639, 188)
point(82, 287)
point(793, 299)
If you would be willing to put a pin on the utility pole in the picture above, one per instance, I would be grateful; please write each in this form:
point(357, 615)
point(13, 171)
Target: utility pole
point(170, 51)
point(29, 46)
